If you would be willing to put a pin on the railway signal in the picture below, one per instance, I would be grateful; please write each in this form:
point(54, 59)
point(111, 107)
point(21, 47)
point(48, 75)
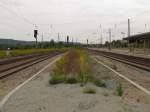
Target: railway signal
point(67, 39)
point(35, 34)
point(87, 42)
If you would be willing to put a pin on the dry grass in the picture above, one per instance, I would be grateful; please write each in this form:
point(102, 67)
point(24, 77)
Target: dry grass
point(74, 65)
point(20, 52)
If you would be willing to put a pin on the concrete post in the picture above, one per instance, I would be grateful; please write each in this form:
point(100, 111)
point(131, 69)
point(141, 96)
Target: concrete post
point(144, 45)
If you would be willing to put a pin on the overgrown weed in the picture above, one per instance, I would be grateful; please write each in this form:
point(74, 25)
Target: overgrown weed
point(75, 66)
point(57, 79)
point(99, 83)
point(89, 90)
point(119, 90)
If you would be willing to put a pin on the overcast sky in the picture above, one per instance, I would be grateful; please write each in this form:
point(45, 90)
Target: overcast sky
point(80, 19)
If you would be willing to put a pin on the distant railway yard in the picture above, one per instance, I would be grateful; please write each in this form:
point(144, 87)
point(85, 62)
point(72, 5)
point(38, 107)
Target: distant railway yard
point(74, 80)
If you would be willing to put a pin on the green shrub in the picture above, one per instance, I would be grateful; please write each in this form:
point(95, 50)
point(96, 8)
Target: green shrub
point(83, 78)
point(119, 90)
point(105, 94)
point(56, 79)
point(71, 80)
point(3, 54)
point(89, 90)
point(99, 83)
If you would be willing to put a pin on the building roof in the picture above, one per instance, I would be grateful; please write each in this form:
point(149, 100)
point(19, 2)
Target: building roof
point(138, 36)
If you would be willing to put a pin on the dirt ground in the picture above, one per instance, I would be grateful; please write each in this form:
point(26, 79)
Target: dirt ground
point(39, 96)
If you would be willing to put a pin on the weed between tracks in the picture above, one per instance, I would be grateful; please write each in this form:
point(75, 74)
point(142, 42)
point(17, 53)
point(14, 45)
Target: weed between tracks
point(89, 90)
point(74, 67)
point(99, 83)
point(119, 90)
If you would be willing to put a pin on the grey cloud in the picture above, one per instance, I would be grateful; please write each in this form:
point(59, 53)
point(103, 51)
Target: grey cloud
point(11, 3)
point(75, 17)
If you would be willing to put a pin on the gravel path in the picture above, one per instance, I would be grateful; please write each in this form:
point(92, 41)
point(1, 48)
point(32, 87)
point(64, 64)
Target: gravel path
point(39, 96)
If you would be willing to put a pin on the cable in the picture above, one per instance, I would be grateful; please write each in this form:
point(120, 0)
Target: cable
point(16, 14)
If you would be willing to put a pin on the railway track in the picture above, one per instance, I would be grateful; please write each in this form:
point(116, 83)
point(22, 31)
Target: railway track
point(13, 65)
point(18, 58)
point(142, 63)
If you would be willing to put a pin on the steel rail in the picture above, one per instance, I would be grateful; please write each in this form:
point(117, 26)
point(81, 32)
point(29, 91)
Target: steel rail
point(9, 71)
point(21, 64)
point(139, 62)
point(17, 58)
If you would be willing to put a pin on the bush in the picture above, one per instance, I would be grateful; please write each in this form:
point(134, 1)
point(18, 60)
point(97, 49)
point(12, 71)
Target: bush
point(56, 79)
point(89, 90)
point(105, 94)
point(71, 80)
point(84, 78)
point(119, 90)
point(99, 83)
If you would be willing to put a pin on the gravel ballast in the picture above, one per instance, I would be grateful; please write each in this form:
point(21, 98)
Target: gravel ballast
point(39, 96)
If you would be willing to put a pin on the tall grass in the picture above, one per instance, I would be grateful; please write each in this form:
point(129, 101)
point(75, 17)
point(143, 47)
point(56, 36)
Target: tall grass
point(74, 62)
point(119, 90)
point(2, 54)
point(75, 65)
point(32, 51)
point(19, 52)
